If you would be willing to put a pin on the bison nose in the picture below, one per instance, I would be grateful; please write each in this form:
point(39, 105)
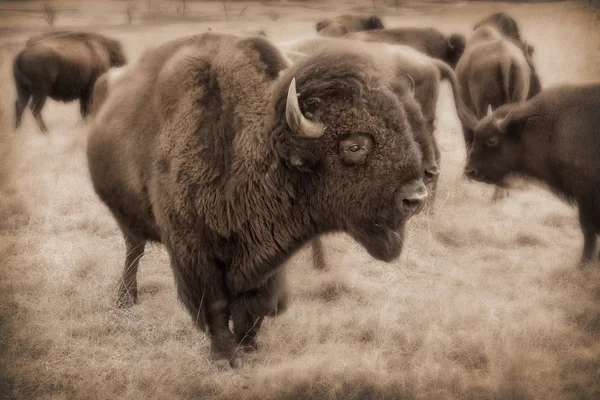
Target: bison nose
point(411, 197)
point(431, 173)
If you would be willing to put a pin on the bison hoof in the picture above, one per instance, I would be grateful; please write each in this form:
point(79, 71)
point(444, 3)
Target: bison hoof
point(226, 364)
point(126, 298)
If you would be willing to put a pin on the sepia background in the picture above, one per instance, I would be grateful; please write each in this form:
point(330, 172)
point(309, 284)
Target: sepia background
point(486, 302)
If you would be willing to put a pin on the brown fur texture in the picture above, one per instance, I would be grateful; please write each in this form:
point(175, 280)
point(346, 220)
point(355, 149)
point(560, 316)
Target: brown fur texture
point(343, 24)
point(63, 66)
point(554, 138)
point(426, 40)
point(193, 150)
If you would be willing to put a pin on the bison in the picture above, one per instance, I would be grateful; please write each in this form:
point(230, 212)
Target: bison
point(425, 74)
point(426, 40)
point(63, 67)
point(343, 24)
point(217, 147)
point(493, 71)
point(554, 139)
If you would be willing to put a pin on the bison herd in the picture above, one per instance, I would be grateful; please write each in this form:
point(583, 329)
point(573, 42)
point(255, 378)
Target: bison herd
point(234, 151)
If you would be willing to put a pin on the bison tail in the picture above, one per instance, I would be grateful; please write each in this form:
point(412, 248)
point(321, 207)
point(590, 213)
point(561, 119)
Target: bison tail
point(467, 118)
point(20, 77)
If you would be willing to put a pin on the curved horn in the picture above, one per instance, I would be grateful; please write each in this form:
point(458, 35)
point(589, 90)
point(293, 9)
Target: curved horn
point(413, 88)
point(298, 122)
point(489, 110)
point(502, 123)
point(449, 43)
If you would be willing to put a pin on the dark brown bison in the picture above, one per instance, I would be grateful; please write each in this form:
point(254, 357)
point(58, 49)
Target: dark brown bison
point(216, 147)
point(554, 139)
point(507, 26)
point(426, 40)
point(63, 67)
point(343, 24)
point(492, 71)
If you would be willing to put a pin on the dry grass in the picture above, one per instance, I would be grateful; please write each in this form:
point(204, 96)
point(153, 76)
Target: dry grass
point(485, 303)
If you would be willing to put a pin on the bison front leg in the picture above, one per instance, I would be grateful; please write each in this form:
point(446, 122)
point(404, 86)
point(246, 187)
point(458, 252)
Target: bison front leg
point(249, 309)
point(23, 96)
point(589, 237)
point(37, 104)
point(201, 288)
point(127, 294)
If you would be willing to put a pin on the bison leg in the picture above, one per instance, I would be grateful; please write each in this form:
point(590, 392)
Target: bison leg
point(589, 237)
point(23, 96)
point(128, 294)
point(36, 108)
point(201, 288)
point(85, 103)
point(318, 254)
point(249, 309)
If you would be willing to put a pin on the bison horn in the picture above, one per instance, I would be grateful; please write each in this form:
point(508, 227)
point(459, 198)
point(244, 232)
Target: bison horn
point(298, 122)
point(502, 123)
point(413, 88)
point(489, 111)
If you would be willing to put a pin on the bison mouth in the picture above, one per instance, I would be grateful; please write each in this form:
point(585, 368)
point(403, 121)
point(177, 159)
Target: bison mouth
point(381, 241)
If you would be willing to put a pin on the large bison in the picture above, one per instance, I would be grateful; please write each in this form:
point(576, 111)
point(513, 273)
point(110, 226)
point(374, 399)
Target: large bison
point(343, 24)
point(233, 159)
point(63, 67)
point(553, 138)
point(425, 74)
point(426, 40)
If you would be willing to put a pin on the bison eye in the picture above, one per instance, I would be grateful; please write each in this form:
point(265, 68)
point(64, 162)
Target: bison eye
point(354, 148)
point(492, 142)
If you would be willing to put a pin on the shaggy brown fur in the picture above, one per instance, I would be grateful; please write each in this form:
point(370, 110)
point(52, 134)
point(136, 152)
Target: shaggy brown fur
point(346, 23)
point(193, 150)
point(426, 40)
point(553, 138)
point(64, 67)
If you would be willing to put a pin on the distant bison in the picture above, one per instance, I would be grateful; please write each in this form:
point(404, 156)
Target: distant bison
point(217, 147)
point(554, 138)
point(343, 24)
point(507, 26)
point(63, 67)
point(426, 40)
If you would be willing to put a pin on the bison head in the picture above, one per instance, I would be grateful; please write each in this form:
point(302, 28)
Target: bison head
point(494, 153)
point(116, 54)
point(371, 23)
point(344, 139)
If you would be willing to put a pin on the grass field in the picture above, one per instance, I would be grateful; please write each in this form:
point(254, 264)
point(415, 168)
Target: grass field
point(486, 301)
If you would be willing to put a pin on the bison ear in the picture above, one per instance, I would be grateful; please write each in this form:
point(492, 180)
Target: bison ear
point(297, 152)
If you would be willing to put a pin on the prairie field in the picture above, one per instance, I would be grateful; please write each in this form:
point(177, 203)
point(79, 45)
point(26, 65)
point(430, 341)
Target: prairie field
point(487, 300)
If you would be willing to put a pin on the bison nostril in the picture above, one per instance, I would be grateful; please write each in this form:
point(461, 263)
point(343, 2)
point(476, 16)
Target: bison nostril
point(471, 172)
point(412, 196)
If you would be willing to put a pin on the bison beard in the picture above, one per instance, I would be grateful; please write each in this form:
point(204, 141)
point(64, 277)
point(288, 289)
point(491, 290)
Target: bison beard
point(209, 151)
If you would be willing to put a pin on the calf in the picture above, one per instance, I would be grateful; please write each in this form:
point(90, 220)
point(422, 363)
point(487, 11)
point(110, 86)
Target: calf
point(554, 138)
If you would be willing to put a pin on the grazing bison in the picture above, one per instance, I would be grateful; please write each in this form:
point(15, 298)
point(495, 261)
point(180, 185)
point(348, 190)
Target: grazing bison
point(63, 67)
point(233, 159)
point(553, 138)
point(343, 24)
point(507, 26)
point(426, 40)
